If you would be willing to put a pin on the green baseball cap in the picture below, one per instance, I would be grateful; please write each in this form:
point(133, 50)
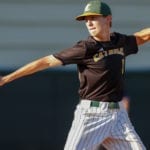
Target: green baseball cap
point(96, 8)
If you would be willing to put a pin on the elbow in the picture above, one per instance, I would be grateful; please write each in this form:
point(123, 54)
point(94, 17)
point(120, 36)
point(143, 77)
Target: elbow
point(51, 61)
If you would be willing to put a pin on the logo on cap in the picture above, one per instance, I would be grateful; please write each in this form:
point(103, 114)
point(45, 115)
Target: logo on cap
point(87, 8)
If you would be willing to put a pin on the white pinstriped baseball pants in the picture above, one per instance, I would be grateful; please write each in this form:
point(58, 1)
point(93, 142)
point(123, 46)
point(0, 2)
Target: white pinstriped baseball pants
point(93, 126)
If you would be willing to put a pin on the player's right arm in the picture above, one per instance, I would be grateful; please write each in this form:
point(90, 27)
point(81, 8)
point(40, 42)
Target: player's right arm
point(30, 68)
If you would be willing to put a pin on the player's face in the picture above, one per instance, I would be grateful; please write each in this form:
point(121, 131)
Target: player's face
point(98, 26)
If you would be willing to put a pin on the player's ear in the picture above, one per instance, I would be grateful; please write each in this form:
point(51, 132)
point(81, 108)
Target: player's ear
point(109, 19)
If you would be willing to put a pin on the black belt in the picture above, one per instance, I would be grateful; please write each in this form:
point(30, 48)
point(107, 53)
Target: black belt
point(111, 105)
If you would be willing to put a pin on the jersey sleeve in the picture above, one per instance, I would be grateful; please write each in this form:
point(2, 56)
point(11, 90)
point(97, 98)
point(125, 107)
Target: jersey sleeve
point(130, 45)
point(73, 55)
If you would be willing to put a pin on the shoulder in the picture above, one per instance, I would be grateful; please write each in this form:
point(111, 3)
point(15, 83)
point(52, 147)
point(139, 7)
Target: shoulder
point(117, 36)
point(120, 38)
point(88, 43)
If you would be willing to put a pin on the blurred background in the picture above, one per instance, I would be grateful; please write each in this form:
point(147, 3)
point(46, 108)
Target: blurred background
point(36, 111)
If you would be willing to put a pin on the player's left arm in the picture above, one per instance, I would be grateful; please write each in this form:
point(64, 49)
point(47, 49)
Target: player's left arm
point(142, 36)
point(30, 68)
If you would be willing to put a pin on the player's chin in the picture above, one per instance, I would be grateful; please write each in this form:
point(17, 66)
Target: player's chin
point(93, 33)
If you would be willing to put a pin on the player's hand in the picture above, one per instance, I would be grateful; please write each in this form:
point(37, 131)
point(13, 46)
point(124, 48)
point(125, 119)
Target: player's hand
point(2, 81)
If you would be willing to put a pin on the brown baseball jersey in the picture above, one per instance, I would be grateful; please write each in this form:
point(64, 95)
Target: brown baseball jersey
point(100, 65)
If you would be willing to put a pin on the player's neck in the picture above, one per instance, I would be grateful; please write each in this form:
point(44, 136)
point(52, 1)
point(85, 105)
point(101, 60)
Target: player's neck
point(103, 36)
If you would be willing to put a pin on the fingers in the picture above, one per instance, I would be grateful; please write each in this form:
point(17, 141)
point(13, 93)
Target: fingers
point(2, 82)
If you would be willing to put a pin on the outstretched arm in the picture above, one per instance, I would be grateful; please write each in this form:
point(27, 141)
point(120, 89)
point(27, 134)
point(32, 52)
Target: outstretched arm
point(35, 66)
point(142, 36)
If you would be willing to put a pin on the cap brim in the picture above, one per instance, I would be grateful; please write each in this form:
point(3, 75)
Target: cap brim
point(82, 16)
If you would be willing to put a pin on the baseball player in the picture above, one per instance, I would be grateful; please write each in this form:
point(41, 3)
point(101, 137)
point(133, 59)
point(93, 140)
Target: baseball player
point(100, 117)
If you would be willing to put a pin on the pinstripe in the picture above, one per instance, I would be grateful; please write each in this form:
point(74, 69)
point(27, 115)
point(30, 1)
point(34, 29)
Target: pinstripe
point(105, 131)
point(125, 135)
point(100, 132)
point(92, 141)
point(89, 130)
point(122, 118)
point(93, 126)
point(75, 130)
point(80, 130)
point(88, 140)
point(101, 125)
point(76, 133)
point(95, 141)
point(95, 135)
